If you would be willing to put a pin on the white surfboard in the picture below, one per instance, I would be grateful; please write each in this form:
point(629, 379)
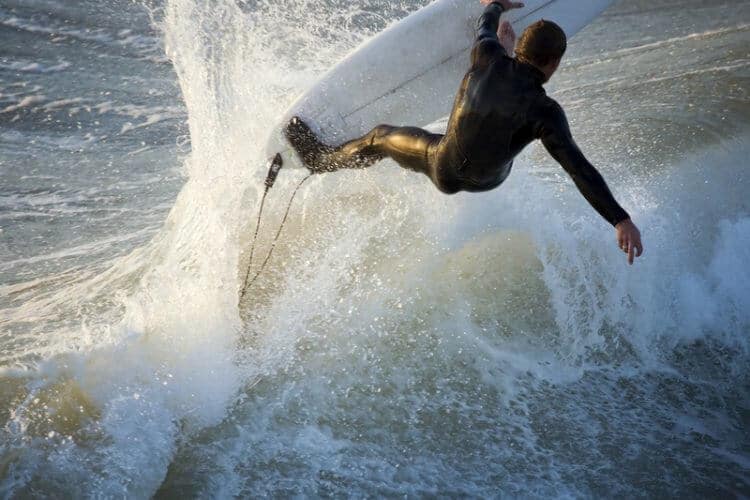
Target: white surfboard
point(409, 73)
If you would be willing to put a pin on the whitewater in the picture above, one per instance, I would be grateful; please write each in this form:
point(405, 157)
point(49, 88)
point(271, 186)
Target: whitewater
point(400, 342)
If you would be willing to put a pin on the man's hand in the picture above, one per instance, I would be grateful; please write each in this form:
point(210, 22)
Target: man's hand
point(507, 37)
point(629, 239)
point(506, 4)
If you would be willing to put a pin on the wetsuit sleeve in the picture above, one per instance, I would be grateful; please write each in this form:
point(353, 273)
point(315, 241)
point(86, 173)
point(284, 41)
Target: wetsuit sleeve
point(487, 46)
point(556, 137)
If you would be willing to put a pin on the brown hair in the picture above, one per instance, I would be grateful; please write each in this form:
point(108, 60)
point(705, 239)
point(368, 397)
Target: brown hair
point(541, 43)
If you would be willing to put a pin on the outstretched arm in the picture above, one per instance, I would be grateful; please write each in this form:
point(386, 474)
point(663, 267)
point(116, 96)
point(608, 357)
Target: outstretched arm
point(556, 137)
point(487, 43)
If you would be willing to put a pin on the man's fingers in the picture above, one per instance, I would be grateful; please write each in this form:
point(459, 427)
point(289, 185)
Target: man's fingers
point(629, 240)
point(631, 253)
point(510, 5)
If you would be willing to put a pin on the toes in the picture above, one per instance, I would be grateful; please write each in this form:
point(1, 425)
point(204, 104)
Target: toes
point(297, 130)
point(306, 143)
point(296, 122)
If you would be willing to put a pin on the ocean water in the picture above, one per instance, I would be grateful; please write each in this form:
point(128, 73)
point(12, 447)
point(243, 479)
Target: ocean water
point(400, 342)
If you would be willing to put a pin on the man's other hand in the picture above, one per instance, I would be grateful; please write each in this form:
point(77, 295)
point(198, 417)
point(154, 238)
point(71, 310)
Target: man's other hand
point(506, 4)
point(507, 37)
point(629, 239)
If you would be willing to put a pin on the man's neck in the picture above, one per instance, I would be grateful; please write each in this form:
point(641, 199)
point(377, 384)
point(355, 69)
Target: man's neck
point(535, 70)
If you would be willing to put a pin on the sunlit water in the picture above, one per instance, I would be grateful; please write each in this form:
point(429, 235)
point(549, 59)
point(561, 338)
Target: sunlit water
point(400, 342)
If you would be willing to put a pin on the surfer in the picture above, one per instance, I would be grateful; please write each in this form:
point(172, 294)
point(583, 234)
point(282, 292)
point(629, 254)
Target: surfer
point(500, 108)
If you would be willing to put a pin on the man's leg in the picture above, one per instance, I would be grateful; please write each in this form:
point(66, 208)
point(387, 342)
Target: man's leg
point(409, 146)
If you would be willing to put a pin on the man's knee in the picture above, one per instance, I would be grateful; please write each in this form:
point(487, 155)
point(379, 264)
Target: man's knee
point(446, 188)
point(380, 132)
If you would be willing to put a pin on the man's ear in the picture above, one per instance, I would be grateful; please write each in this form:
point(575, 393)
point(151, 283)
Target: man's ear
point(551, 67)
point(556, 64)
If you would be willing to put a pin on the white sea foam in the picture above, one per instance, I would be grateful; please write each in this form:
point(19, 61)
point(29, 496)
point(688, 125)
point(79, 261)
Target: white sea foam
point(25, 102)
point(34, 67)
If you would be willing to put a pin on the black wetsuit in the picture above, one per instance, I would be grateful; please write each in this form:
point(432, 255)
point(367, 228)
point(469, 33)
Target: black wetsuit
point(500, 108)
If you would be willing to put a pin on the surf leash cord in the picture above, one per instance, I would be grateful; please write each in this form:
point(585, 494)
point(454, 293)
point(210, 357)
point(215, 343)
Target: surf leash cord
point(274, 166)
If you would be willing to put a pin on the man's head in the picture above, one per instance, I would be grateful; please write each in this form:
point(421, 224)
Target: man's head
point(542, 44)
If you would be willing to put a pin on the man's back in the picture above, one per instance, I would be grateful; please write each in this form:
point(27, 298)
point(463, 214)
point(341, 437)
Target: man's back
point(500, 108)
point(496, 113)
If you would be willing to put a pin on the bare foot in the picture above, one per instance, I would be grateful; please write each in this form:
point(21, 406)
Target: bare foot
point(507, 37)
point(313, 152)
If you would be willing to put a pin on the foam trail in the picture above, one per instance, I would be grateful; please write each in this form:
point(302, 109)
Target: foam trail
point(427, 298)
point(169, 367)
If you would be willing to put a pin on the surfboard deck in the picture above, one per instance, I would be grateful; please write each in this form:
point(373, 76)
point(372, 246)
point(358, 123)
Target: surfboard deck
point(409, 73)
